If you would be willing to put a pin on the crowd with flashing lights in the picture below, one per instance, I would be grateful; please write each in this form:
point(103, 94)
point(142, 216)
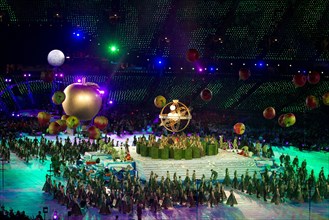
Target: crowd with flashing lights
point(82, 190)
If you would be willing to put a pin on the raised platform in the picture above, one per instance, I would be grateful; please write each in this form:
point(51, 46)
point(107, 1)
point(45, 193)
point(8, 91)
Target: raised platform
point(219, 162)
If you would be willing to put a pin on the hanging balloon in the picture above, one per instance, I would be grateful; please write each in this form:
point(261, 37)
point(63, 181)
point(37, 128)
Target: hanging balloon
point(325, 98)
point(83, 100)
point(313, 77)
point(280, 121)
point(43, 118)
point(289, 119)
point(47, 76)
point(93, 132)
point(244, 74)
point(160, 101)
point(54, 128)
point(58, 97)
point(312, 102)
point(239, 128)
point(269, 113)
point(192, 55)
point(299, 80)
point(56, 58)
point(206, 94)
point(72, 122)
point(101, 122)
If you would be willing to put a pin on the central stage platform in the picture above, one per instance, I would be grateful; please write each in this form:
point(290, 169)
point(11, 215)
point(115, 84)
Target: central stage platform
point(221, 161)
point(224, 159)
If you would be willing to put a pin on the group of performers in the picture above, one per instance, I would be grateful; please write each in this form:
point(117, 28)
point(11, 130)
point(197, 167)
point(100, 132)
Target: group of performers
point(83, 190)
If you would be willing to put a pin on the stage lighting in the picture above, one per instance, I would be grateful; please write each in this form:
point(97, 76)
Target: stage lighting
point(55, 216)
point(113, 49)
point(159, 61)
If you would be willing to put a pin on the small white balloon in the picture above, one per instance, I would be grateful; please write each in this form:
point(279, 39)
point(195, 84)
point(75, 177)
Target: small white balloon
point(56, 58)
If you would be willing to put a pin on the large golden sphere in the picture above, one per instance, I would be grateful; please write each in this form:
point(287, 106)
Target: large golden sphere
point(83, 100)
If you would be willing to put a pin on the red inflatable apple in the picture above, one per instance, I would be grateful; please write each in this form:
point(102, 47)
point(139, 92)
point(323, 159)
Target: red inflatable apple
point(47, 76)
point(83, 100)
point(206, 95)
point(54, 128)
point(313, 77)
point(101, 122)
point(312, 102)
point(269, 113)
point(93, 132)
point(62, 124)
point(299, 80)
point(239, 128)
point(244, 74)
point(280, 121)
point(192, 55)
point(43, 118)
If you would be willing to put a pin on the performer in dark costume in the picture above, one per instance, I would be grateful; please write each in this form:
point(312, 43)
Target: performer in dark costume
point(231, 199)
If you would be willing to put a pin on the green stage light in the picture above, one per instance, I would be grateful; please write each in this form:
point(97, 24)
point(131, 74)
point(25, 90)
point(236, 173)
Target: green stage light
point(113, 49)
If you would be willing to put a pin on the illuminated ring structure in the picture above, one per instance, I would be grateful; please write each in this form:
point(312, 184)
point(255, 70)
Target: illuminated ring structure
point(173, 114)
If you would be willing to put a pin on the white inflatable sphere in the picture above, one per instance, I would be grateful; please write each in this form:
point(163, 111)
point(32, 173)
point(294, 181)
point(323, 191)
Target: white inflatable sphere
point(56, 58)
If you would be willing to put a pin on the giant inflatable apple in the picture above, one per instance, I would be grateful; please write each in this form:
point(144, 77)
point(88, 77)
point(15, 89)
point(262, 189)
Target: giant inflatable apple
point(312, 102)
point(239, 128)
point(269, 113)
point(83, 100)
point(72, 122)
point(101, 122)
point(54, 128)
point(289, 119)
point(93, 132)
point(325, 98)
point(43, 118)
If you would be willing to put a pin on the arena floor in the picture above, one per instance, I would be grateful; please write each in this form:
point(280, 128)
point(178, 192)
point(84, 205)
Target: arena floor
point(23, 183)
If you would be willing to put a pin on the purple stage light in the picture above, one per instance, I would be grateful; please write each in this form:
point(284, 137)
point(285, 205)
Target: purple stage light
point(61, 75)
point(200, 69)
point(79, 80)
point(110, 102)
point(56, 75)
point(101, 92)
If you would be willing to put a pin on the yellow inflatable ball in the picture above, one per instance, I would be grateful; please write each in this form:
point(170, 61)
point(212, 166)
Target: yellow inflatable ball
point(160, 101)
point(325, 98)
